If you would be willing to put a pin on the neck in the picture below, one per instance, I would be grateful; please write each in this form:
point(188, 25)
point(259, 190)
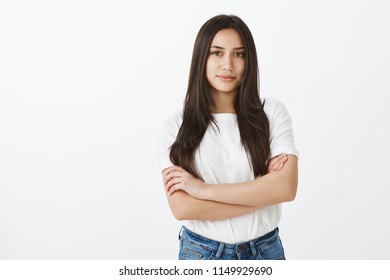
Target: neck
point(224, 102)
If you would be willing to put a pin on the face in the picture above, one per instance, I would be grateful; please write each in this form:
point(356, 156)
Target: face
point(226, 62)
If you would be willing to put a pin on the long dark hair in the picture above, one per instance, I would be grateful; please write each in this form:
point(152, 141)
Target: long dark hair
point(252, 121)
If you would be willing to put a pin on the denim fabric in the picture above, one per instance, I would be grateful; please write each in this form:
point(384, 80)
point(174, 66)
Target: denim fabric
point(196, 247)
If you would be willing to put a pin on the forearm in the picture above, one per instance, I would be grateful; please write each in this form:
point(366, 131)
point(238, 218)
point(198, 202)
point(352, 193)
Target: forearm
point(186, 207)
point(270, 189)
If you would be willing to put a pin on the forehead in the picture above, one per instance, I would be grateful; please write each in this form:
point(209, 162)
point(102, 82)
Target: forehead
point(228, 37)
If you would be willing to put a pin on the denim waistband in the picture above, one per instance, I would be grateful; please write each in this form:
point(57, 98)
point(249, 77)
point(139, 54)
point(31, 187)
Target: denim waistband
point(220, 246)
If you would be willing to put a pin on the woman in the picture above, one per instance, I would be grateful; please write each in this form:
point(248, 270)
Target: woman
point(230, 156)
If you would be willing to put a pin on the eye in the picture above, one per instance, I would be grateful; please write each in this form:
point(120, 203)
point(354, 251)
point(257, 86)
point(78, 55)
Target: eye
point(239, 54)
point(216, 53)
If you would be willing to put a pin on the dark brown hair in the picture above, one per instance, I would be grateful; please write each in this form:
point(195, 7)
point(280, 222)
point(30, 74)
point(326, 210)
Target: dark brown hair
point(252, 121)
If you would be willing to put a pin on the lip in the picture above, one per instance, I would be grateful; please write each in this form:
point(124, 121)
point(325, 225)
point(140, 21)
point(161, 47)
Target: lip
point(226, 78)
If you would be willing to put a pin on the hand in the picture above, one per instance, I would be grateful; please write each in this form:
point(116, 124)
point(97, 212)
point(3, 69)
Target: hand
point(176, 178)
point(276, 163)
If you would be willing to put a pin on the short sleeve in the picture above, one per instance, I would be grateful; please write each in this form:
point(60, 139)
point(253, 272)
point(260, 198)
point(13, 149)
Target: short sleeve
point(281, 131)
point(168, 136)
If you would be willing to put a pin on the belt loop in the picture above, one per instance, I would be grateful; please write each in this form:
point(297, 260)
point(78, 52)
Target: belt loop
point(180, 232)
point(220, 250)
point(253, 248)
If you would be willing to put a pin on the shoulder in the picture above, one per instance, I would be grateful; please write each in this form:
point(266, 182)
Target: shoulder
point(176, 117)
point(173, 120)
point(273, 107)
point(281, 130)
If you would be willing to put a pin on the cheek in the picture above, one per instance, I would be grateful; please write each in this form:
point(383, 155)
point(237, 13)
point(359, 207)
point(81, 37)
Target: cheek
point(241, 69)
point(210, 69)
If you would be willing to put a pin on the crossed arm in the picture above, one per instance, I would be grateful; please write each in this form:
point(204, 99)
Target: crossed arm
point(192, 199)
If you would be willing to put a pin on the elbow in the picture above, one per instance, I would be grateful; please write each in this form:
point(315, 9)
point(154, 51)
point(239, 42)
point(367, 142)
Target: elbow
point(291, 191)
point(179, 215)
point(178, 208)
point(291, 195)
point(291, 179)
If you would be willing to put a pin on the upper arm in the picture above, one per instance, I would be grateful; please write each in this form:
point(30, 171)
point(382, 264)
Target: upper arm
point(281, 129)
point(291, 176)
point(283, 183)
point(282, 141)
point(167, 137)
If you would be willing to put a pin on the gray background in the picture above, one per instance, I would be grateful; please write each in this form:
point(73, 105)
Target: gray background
point(86, 85)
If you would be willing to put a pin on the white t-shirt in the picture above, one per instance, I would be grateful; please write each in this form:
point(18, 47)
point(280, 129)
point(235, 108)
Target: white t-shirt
point(221, 158)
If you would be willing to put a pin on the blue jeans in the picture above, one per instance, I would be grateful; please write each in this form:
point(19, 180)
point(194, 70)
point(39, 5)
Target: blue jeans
point(196, 247)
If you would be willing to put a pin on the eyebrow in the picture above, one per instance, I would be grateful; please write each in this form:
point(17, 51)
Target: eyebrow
point(221, 48)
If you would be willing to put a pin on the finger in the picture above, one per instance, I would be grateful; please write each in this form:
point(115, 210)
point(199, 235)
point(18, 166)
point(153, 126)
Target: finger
point(275, 159)
point(271, 168)
point(167, 170)
point(282, 155)
point(277, 163)
point(271, 164)
point(166, 179)
point(282, 162)
point(170, 183)
point(173, 182)
point(167, 187)
point(173, 174)
point(174, 188)
point(277, 166)
point(172, 168)
point(282, 158)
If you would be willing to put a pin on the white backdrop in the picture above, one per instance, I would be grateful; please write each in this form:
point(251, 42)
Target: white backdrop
point(86, 85)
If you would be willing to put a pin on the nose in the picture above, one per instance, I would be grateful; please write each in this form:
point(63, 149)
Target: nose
point(227, 63)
